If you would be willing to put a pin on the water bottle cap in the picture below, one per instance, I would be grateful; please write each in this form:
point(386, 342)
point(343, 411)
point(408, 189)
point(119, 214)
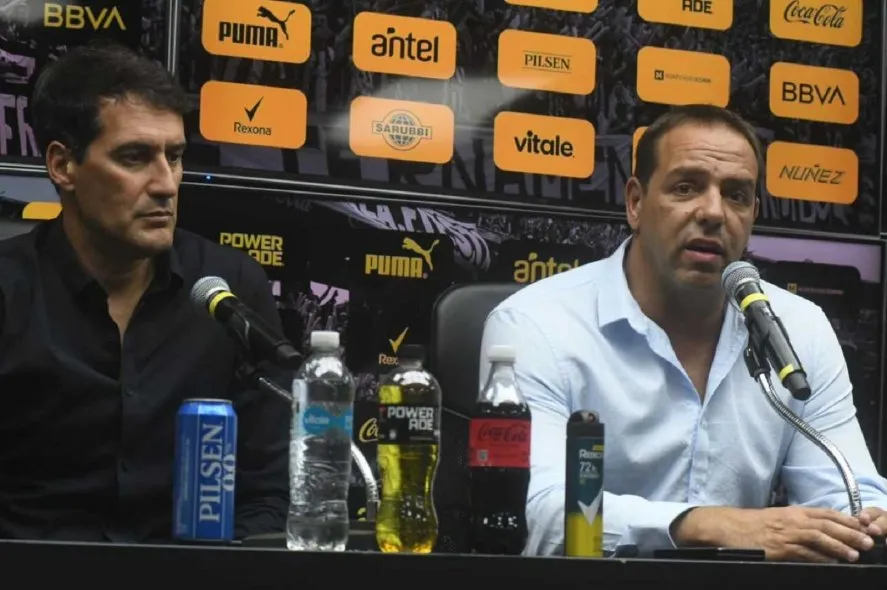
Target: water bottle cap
point(412, 352)
point(324, 340)
point(499, 353)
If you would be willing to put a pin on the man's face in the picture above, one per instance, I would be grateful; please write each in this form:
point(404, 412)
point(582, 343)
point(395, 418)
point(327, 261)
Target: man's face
point(696, 214)
point(126, 188)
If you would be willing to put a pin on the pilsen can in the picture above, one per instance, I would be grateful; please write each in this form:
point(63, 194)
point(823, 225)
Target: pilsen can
point(205, 470)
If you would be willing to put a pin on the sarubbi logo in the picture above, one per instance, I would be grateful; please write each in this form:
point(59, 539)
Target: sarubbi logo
point(812, 172)
point(405, 46)
point(833, 22)
point(814, 93)
point(401, 130)
point(535, 269)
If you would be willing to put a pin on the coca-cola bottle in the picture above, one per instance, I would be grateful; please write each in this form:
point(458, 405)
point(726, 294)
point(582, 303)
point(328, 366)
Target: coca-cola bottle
point(499, 459)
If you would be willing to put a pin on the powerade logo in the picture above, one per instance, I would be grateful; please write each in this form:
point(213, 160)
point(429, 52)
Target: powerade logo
point(316, 421)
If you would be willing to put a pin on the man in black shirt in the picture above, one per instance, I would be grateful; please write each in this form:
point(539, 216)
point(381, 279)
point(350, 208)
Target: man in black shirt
point(99, 342)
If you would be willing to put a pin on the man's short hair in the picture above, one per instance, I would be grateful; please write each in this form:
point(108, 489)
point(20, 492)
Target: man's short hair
point(646, 155)
point(69, 93)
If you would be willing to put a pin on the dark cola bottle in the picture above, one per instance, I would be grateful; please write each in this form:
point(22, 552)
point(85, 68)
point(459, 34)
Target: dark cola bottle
point(499, 460)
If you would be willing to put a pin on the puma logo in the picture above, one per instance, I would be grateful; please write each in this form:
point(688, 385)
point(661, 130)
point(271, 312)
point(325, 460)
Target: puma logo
point(268, 15)
point(411, 245)
point(395, 344)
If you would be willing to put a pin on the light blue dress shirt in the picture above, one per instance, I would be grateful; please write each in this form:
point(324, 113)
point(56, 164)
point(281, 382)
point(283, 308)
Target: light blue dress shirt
point(583, 343)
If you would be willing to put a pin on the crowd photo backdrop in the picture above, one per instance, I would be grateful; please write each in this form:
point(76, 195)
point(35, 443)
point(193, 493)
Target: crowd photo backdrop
point(500, 103)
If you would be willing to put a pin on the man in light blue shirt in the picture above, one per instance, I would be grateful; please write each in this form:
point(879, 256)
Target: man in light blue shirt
point(646, 339)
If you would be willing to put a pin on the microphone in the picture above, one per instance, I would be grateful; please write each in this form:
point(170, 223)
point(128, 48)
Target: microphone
point(742, 282)
point(245, 325)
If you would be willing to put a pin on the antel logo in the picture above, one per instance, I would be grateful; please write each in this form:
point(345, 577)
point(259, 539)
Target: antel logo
point(812, 172)
point(814, 93)
point(551, 63)
point(401, 130)
point(253, 115)
point(832, 22)
point(584, 6)
point(268, 30)
point(404, 46)
point(677, 77)
point(540, 144)
point(704, 14)
point(635, 139)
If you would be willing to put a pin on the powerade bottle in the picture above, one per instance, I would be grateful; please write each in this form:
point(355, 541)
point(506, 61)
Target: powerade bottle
point(320, 449)
point(408, 444)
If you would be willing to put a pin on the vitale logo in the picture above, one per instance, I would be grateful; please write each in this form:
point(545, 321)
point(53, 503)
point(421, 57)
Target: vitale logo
point(540, 144)
point(532, 143)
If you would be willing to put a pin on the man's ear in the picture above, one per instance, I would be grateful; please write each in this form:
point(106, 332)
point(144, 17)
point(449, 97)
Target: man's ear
point(633, 202)
point(60, 166)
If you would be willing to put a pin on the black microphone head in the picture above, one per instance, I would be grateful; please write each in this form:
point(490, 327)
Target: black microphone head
point(204, 289)
point(737, 273)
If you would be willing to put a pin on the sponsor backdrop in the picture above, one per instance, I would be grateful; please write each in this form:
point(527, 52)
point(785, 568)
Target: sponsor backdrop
point(537, 100)
point(532, 100)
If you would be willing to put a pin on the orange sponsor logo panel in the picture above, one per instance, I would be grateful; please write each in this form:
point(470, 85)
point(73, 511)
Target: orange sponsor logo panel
point(404, 46)
point(585, 6)
point(401, 130)
point(553, 63)
point(812, 172)
point(704, 14)
point(678, 77)
point(268, 30)
point(539, 144)
point(830, 22)
point(814, 93)
point(635, 139)
point(253, 115)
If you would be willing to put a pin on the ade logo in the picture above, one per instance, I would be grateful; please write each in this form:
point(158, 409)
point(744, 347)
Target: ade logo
point(814, 93)
point(705, 14)
point(540, 144)
point(253, 115)
point(405, 46)
point(268, 30)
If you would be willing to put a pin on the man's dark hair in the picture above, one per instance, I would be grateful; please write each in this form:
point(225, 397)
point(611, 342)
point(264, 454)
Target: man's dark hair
point(646, 155)
point(68, 94)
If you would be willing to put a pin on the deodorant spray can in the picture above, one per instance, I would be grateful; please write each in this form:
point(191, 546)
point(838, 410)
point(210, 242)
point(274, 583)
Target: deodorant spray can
point(584, 508)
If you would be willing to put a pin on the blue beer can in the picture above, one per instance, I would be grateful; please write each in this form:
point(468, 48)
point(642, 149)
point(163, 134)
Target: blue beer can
point(205, 470)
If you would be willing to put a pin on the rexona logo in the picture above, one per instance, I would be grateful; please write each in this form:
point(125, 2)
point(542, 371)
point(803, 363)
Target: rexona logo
point(253, 115)
point(832, 22)
point(677, 77)
point(538, 61)
point(401, 130)
point(405, 46)
point(540, 144)
point(585, 6)
point(72, 16)
point(812, 172)
point(705, 14)
point(390, 360)
point(267, 30)
point(814, 93)
point(402, 267)
point(535, 269)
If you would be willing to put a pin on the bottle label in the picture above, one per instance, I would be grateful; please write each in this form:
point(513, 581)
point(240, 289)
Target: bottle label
point(499, 442)
point(408, 424)
point(317, 420)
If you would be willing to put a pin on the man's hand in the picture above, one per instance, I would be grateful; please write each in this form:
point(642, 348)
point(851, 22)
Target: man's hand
point(785, 534)
point(874, 521)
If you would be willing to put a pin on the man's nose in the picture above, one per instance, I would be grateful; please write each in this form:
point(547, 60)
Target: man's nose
point(164, 180)
point(710, 208)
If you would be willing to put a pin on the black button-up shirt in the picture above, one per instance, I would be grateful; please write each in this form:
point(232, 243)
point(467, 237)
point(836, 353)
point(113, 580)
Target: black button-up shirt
point(87, 422)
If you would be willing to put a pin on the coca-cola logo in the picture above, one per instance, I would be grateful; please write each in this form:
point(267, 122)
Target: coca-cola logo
point(513, 433)
point(827, 16)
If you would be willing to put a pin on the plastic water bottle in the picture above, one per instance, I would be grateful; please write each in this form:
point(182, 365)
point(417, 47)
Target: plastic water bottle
point(320, 449)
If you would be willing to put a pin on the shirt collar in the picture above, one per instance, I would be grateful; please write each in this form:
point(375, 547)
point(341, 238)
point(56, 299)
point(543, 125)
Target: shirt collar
point(167, 273)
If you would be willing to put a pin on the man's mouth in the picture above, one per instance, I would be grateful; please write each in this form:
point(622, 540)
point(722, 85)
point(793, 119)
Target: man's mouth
point(704, 250)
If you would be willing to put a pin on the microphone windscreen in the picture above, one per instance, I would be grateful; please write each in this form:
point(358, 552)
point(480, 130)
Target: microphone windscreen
point(205, 288)
point(737, 272)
